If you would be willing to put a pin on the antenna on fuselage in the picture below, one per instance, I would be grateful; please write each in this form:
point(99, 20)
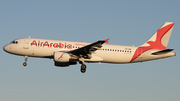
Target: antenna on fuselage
point(29, 36)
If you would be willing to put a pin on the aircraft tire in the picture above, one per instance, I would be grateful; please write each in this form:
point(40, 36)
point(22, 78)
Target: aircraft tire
point(24, 64)
point(83, 68)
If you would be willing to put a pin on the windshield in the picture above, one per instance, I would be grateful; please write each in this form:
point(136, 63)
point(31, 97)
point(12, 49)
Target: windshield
point(14, 42)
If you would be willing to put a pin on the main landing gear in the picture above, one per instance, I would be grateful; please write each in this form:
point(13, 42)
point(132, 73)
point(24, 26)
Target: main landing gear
point(83, 68)
point(25, 64)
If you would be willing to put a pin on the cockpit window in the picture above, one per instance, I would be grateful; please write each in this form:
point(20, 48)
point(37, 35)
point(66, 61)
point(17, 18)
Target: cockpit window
point(14, 42)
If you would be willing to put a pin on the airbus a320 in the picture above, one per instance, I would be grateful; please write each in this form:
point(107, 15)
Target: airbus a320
point(67, 53)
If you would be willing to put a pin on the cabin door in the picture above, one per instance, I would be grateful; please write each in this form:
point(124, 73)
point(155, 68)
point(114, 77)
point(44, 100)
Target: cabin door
point(26, 44)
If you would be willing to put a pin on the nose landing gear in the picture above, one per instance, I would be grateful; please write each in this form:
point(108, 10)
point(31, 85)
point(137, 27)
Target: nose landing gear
point(25, 64)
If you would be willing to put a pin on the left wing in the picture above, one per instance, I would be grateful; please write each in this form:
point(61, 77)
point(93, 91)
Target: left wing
point(86, 51)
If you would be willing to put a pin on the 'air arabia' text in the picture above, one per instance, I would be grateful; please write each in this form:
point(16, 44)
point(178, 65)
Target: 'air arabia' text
point(55, 45)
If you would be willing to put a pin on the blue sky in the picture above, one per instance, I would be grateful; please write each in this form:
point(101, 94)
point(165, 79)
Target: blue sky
point(125, 22)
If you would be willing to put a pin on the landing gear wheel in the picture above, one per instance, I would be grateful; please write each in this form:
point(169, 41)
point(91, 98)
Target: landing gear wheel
point(83, 68)
point(24, 64)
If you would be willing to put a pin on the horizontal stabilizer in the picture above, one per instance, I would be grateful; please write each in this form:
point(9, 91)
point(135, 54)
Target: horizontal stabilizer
point(162, 52)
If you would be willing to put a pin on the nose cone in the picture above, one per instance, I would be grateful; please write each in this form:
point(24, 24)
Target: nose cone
point(6, 48)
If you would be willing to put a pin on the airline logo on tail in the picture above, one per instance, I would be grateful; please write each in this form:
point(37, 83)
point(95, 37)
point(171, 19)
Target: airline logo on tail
point(158, 41)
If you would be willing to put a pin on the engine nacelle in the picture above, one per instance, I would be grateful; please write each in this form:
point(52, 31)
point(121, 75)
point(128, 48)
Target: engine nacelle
point(61, 57)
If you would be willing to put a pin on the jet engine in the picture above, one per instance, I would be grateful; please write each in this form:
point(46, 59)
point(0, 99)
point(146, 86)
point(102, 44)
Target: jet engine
point(62, 59)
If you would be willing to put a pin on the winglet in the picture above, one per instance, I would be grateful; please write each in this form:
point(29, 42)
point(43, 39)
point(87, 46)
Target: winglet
point(106, 40)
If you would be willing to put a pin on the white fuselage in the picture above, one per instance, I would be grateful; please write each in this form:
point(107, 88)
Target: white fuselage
point(108, 53)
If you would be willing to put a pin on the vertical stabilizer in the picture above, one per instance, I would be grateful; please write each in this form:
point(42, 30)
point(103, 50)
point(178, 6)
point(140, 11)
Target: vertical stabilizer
point(158, 41)
point(161, 38)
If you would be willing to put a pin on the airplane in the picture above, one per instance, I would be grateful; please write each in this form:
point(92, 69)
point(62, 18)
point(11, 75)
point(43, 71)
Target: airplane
point(67, 53)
